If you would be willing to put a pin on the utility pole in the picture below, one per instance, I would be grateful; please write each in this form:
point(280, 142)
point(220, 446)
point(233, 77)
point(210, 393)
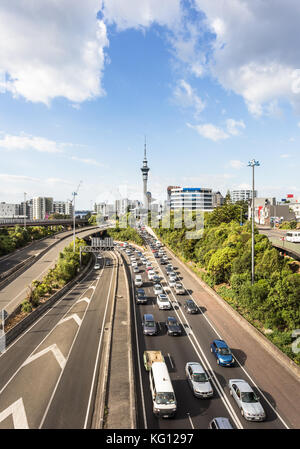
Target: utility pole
point(253, 164)
point(74, 195)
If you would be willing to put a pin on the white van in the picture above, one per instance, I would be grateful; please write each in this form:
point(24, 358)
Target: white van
point(293, 236)
point(163, 396)
point(138, 281)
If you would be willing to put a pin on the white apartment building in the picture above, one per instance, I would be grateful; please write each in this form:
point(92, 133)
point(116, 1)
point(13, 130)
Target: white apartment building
point(42, 207)
point(9, 210)
point(63, 207)
point(295, 207)
point(191, 198)
point(242, 195)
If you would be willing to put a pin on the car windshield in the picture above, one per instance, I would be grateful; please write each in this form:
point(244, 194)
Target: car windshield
point(172, 323)
point(200, 377)
point(224, 351)
point(249, 397)
point(165, 398)
point(163, 299)
point(150, 323)
point(191, 305)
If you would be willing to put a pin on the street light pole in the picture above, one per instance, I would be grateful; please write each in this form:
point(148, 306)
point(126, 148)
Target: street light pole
point(253, 164)
point(74, 195)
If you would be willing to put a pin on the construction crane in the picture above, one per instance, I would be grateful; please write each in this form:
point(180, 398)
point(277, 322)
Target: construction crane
point(73, 201)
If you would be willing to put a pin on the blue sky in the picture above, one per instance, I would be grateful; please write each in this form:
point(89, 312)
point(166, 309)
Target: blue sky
point(84, 86)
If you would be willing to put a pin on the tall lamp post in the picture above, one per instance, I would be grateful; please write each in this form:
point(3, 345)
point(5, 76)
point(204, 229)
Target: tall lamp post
point(74, 195)
point(253, 164)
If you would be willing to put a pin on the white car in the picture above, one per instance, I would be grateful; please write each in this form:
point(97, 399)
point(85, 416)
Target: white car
point(138, 282)
point(179, 289)
point(158, 290)
point(163, 302)
point(144, 261)
point(151, 274)
point(136, 269)
point(198, 380)
point(247, 401)
point(172, 281)
point(96, 266)
point(134, 264)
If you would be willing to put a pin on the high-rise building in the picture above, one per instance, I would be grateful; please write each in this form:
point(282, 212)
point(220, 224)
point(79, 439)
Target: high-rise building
point(9, 210)
point(63, 207)
point(242, 195)
point(145, 169)
point(217, 199)
point(42, 207)
point(191, 198)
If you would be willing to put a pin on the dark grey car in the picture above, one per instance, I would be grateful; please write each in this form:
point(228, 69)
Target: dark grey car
point(149, 324)
point(190, 306)
point(173, 326)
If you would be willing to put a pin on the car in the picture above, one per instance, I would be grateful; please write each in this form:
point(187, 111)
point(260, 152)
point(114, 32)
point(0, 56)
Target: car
point(97, 266)
point(144, 261)
point(198, 380)
point(141, 297)
point(149, 267)
point(173, 327)
point(156, 278)
point(247, 401)
point(172, 281)
point(158, 289)
point(222, 353)
point(136, 269)
point(156, 255)
point(220, 423)
point(151, 274)
point(179, 289)
point(190, 306)
point(172, 274)
point(170, 266)
point(132, 258)
point(149, 324)
point(138, 282)
point(134, 264)
point(163, 302)
point(165, 258)
point(163, 262)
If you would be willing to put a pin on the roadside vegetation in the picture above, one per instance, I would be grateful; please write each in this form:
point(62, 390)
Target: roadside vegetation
point(12, 238)
point(222, 258)
point(66, 268)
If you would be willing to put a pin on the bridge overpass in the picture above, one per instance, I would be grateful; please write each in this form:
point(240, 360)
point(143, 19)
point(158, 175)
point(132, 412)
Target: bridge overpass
point(277, 238)
point(8, 222)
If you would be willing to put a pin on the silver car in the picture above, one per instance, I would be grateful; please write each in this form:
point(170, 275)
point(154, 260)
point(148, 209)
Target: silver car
point(198, 380)
point(158, 290)
point(247, 401)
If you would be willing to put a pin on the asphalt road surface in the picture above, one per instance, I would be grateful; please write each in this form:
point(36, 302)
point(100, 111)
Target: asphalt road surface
point(194, 345)
point(48, 376)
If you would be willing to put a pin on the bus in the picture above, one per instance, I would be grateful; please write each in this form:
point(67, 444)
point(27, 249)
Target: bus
point(293, 236)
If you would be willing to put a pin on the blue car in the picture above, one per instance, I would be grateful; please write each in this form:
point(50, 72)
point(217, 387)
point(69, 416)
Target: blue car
point(222, 353)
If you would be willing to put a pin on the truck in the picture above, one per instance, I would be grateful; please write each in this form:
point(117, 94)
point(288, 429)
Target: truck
point(150, 357)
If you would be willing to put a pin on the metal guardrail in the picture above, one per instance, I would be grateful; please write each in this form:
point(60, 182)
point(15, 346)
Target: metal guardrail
point(20, 221)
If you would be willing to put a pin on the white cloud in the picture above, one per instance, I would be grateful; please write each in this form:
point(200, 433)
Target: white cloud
point(87, 161)
point(233, 125)
point(52, 49)
point(210, 131)
point(255, 52)
point(285, 156)
point(236, 164)
point(141, 13)
point(24, 142)
point(186, 97)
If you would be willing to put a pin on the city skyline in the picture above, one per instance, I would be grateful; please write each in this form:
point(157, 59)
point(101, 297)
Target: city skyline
point(153, 71)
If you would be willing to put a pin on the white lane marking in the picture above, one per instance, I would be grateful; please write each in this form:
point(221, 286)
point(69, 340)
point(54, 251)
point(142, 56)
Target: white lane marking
point(98, 351)
point(86, 299)
point(171, 362)
point(17, 410)
point(92, 286)
point(56, 352)
point(221, 338)
point(74, 317)
point(191, 422)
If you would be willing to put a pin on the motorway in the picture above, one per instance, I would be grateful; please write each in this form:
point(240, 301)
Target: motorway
point(278, 389)
point(49, 374)
point(14, 293)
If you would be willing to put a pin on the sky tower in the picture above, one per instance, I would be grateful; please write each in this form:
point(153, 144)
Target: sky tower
point(144, 171)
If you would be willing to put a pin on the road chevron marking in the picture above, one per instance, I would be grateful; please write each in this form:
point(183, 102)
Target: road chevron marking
point(56, 352)
point(84, 299)
point(74, 317)
point(92, 286)
point(17, 411)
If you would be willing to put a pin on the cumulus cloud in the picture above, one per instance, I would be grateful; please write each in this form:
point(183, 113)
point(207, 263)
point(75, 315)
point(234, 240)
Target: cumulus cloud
point(187, 97)
point(210, 131)
point(234, 125)
point(25, 142)
point(141, 13)
point(255, 49)
point(52, 49)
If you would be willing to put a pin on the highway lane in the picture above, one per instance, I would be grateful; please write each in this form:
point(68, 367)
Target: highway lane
point(48, 355)
point(14, 293)
point(11, 260)
point(201, 336)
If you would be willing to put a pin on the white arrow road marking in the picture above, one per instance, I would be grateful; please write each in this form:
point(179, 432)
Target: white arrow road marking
point(56, 352)
point(74, 317)
point(84, 299)
point(17, 411)
point(92, 286)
